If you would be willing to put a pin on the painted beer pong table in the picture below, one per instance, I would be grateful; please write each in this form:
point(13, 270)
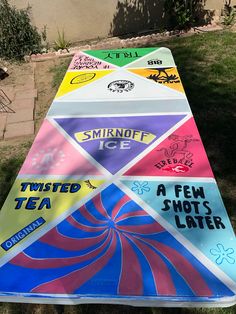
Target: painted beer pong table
point(116, 201)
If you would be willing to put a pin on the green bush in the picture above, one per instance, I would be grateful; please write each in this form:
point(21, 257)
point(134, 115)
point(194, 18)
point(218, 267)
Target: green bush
point(229, 14)
point(17, 36)
point(183, 13)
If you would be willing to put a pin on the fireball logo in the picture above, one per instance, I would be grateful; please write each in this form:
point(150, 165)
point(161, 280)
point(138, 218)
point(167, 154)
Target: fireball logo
point(179, 159)
point(177, 168)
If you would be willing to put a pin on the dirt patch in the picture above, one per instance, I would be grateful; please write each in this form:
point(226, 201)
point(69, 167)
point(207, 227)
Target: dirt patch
point(17, 73)
point(44, 75)
point(15, 147)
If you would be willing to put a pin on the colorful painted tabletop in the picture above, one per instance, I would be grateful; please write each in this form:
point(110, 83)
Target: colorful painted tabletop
point(116, 201)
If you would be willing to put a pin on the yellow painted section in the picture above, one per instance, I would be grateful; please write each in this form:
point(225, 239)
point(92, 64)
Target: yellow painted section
point(135, 135)
point(168, 77)
point(74, 80)
point(13, 220)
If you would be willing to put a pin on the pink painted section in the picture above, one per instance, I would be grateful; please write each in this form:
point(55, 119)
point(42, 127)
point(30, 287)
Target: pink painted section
point(71, 282)
point(141, 229)
point(52, 154)
point(180, 155)
point(184, 267)
point(54, 238)
point(125, 199)
point(83, 227)
point(26, 261)
point(161, 274)
point(97, 201)
point(82, 62)
point(138, 213)
point(131, 282)
point(85, 212)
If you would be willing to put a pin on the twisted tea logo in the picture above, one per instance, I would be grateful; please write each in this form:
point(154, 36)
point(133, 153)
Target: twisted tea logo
point(120, 86)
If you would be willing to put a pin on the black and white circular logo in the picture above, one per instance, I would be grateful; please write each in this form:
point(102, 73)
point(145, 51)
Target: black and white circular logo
point(120, 86)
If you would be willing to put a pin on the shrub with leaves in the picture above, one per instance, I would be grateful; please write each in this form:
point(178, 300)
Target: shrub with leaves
point(183, 13)
point(229, 14)
point(17, 36)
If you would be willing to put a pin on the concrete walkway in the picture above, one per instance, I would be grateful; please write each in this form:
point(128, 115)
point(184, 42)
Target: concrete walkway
point(22, 94)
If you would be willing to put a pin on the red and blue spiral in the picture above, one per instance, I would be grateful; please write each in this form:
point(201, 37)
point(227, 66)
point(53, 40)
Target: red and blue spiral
point(110, 247)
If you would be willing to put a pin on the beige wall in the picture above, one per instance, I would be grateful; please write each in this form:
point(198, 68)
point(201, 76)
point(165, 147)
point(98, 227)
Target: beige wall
point(90, 19)
point(80, 19)
point(214, 4)
point(217, 4)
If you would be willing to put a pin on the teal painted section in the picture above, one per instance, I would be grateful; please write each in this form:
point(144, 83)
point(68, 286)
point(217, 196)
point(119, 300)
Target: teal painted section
point(116, 107)
point(196, 210)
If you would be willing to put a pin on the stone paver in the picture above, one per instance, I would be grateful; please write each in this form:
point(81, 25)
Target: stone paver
point(21, 115)
point(9, 90)
point(26, 94)
point(29, 83)
point(22, 104)
point(22, 94)
point(3, 121)
point(19, 129)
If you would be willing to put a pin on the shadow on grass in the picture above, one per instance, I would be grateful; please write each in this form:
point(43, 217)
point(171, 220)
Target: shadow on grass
point(8, 172)
point(15, 308)
point(208, 71)
point(207, 67)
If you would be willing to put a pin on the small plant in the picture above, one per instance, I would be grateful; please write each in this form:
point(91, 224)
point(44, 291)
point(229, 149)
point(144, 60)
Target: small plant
point(229, 14)
point(44, 33)
point(45, 43)
point(61, 42)
point(17, 36)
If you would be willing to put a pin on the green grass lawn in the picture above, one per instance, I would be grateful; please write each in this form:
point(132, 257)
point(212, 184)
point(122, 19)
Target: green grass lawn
point(207, 66)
